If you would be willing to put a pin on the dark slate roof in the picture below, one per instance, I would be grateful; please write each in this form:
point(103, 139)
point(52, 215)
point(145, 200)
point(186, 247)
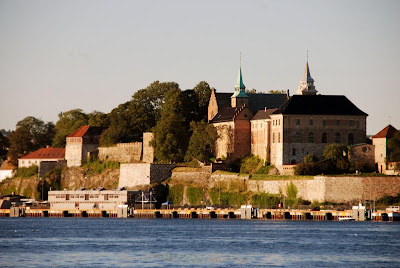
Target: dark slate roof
point(388, 132)
point(224, 115)
point(223, 100)
point(261, 101)
point(257, 101)
point(263, 114)
point(319, 105)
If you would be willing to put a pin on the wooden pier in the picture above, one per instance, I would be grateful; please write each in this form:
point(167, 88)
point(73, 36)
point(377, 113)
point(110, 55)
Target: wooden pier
point(266, 214)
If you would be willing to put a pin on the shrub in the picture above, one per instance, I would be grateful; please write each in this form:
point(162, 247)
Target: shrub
point(306, 169)
point(250, 164)
point(195, 195)
point(310, 158)
point(265, 200)
point(26, 172)
point(175, 194)
point(364, 167)
point(96, 166)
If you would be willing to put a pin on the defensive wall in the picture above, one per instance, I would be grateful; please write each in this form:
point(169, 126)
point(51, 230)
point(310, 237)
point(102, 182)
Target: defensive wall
point(122, 152)
point(139, 174)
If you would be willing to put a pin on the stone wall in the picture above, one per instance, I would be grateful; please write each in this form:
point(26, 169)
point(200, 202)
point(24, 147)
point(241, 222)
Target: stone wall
point(333, 189)
point(73, 154)
point(123, 152)
point(362, 153)
point(140, 174)
point(148, 150)
point(380, 153)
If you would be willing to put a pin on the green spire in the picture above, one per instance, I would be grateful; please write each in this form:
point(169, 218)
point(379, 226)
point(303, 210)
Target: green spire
point(239, 84)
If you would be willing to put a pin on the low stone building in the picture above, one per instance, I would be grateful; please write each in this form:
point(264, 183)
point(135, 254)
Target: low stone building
point(362, 153)
point(80, 143)
point(43, 154)
point(92, 199)
point(140, 174)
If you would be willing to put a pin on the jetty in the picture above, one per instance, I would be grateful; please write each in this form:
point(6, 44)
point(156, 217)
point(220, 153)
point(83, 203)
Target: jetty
point(245, 212)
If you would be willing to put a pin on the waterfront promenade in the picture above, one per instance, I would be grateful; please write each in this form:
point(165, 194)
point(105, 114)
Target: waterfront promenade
point(266, 214)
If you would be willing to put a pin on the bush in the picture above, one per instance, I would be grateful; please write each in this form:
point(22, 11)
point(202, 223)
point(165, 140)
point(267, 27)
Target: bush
point(26, 172)
point(364, 167)
point(228, 198)
point(175, 194)
point(306, 169)
point(250, 164)
point(96, 166)
point(195, 195)
point(265, 200)
point(310, 158)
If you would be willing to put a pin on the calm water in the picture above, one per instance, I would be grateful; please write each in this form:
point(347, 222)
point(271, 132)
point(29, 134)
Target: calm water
point(83, 242)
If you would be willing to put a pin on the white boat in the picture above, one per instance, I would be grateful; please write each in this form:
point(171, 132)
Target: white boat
point(345, 218)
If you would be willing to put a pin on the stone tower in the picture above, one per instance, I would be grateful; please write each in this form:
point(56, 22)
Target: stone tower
point(307, 83)
point(239, 98)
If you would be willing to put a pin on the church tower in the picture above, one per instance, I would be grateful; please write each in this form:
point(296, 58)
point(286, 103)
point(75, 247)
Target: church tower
point(307, 83)
point(239, 98)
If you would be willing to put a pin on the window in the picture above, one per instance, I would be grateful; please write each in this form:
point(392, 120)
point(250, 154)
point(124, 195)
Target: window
point(273, 137)
point(324, 123)
point(324, 137)
point(310, 137)
point(294, 152)
point(297, 137)
point(350, 139)
point(279, 137)
point(351, 123)
point(337, 122)
point(297, 122)
point(293, 162)
point(279, 122)
point(311, 122)
point(23, 162)
point(337, 138)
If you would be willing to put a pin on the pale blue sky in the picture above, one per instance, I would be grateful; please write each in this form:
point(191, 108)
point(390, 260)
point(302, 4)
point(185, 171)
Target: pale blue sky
point(60, 55)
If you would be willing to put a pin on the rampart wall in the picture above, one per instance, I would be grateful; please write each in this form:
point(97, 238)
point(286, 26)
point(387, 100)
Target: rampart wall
point(123, 152)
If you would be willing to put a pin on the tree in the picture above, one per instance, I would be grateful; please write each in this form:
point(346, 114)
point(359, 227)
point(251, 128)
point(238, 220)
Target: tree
point(277, 91)
point(251, 91)
point(393, 148)
point(129, 120)
point(338, 154)
point(203, 93)
point(310, 158)
point(30, 134)
point(67, 123)
point(4, 145)
point(98, 119)
point(202, 141)
point(170, 134)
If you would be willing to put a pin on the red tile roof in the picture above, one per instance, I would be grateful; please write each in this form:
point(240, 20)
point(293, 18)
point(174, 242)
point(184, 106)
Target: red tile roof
point(82, 131)
point(387, 132)
point(46, 153)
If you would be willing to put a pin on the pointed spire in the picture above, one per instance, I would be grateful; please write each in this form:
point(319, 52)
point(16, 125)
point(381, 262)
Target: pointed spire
point(307, 82)
point(239, 83)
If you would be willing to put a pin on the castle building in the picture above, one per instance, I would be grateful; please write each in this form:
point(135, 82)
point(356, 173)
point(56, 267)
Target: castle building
point(81, 142)
point(231, 115)
point(284, 129)
point(380, 143)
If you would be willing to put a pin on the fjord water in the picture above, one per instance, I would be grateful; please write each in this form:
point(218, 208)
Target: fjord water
point(106, 242)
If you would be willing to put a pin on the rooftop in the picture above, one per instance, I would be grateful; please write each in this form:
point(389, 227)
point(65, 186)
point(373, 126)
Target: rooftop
point(82, 131)
point(388, 132)
point(46, 153)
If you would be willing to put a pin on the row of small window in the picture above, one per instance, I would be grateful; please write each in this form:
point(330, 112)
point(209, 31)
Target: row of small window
point(324, 122)
point(311, 138)
point(29, 162)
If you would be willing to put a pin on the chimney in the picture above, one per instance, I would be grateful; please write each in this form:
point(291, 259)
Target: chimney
point(265, 109)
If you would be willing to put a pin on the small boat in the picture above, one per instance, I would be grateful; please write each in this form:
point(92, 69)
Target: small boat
point(346, 219)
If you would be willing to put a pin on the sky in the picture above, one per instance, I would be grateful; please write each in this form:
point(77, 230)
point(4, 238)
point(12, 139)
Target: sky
point(94, 55)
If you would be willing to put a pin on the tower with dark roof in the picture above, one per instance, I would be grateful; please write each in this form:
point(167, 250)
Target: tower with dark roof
point(239, 98)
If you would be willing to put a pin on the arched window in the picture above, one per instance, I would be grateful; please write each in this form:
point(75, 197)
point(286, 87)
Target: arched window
point(350, 139)
point(293, 162)
point(310, 137)
point(324, 137)
point(338, 138)
point(297, 137)
point(294, 152)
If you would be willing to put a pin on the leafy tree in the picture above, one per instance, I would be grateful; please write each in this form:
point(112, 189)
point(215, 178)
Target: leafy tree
point(30, 134)
point(67, 123)
point(310, 158)
point(338, 154)
point(4, 145)
point(291, 190)
point(202, 141)
point(171, 137)
point(98, 119)
point(393, 148)
point(129, 120)
point(251, 90)
point(203, 93)
point(277, 91)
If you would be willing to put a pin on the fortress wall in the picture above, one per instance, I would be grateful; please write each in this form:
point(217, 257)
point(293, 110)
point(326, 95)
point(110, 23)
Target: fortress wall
point(123, 152)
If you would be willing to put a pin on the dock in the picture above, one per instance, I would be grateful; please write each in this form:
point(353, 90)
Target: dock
point(199, 213)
